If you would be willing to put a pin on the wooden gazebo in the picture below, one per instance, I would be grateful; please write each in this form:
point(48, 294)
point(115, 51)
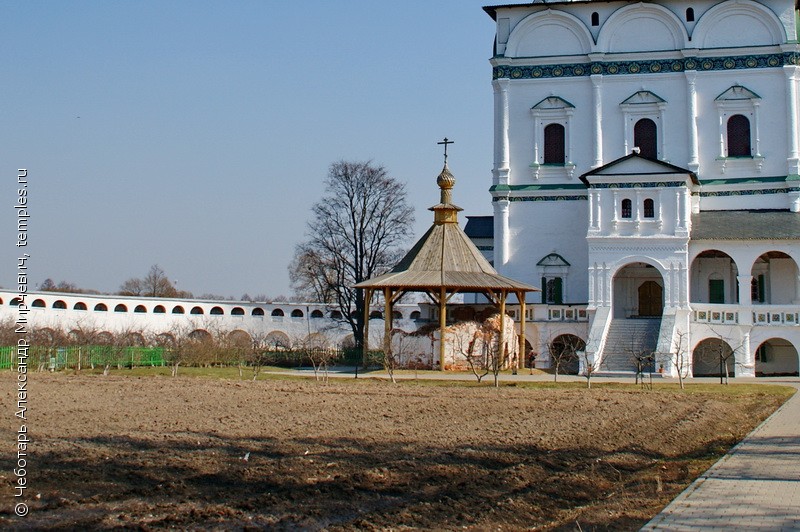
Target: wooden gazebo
point(442, 263)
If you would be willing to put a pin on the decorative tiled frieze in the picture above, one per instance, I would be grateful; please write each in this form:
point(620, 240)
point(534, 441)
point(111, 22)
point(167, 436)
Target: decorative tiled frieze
point(752, 192)
point(661, 184)
point(542, 198)
point(655, 66)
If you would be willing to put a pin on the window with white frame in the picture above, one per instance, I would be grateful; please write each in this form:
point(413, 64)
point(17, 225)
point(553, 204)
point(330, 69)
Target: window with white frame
point(644, 124)
point(737, 108)
point(551, 138)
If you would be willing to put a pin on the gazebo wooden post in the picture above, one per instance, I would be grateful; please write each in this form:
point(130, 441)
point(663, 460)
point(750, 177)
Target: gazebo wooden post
point(523, 354)
point(442, 324)
point(387, 325)
point(365, 340)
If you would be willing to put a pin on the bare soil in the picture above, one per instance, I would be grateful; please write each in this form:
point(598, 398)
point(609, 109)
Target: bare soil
point(159, 452)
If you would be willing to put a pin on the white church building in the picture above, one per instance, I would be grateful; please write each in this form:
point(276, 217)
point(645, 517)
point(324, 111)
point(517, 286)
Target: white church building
point(646, 176)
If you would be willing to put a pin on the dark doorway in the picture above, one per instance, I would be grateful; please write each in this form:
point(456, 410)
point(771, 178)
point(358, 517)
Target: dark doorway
point(651, 299)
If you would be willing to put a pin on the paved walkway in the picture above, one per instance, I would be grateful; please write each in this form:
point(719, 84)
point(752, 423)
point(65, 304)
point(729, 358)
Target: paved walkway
point(756, 486)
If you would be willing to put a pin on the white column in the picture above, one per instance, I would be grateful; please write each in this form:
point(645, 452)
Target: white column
point(791, 113)
point(691, 98)
point(592, 201)
point(747, 368)
point(608, 283)
point(745, 293)
point(637, 211)
point(597, 124)
point(592, 273)
point(501, 232)
point(501, 151)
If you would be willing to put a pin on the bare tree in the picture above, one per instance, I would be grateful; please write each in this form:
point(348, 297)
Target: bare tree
point(642, 356)
point(354, 234)
point(49, 339)
point(474, 352)
point(316, 348)
point(49, 286)
point(678, 356)
point(259, 352)
point(154, 284)
point(310, 278)
point(588, 366)
point(177, 346)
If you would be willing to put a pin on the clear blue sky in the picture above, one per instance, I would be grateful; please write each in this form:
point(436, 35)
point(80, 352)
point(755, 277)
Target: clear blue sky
point(196, 135)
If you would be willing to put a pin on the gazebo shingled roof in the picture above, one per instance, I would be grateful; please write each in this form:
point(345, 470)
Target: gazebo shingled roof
point(442, 263)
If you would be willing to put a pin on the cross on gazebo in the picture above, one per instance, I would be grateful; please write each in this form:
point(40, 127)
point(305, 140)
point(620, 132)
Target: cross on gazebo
point(446, 142)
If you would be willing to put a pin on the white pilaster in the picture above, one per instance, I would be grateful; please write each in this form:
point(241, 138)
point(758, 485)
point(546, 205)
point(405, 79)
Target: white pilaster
point(791, 113)
point(597, 123)
point(691, 115)
point(501, 151)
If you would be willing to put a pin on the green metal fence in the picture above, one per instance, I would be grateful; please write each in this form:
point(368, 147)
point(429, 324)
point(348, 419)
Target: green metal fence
point(84, 356)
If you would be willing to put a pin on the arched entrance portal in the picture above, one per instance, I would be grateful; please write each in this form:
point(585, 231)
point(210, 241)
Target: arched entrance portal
point(638, 292)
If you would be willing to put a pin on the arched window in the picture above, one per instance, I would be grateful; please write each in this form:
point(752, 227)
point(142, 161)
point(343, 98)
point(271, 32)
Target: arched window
point(627, 209)
point(277, 312)
point(159, 309)
point(739, 136)
point(595, 19)
point(177, 309)
point(689, 14)
point(237, 311)
point(217, 311)
point(415, 315)
point(317, 314)
point(100, 307)
point(336, 315)
point(645, 138)
point(39, 303)
point(554, 147)
point(79, 306)
point(197, 310)
point(120, 308)
point(59, 304)
point(297, 313)
point(649, 208)
point(258, 311)
point(140, 308)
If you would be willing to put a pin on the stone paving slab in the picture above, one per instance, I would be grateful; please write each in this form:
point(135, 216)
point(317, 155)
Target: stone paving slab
point(756, 486)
